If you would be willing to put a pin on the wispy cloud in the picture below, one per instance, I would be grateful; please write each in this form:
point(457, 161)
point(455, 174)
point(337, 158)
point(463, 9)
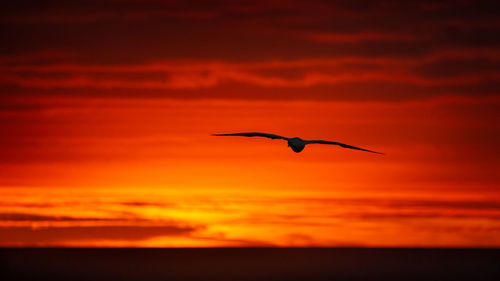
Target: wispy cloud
point(361, 36)
point(60, 235)
point(28, 217)
point(439, 73)
point(255, 220)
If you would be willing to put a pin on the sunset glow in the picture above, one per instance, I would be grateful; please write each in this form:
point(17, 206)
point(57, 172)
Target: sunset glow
point(107, 112)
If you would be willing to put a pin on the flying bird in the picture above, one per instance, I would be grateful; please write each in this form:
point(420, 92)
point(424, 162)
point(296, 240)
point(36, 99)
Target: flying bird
point(296, 144)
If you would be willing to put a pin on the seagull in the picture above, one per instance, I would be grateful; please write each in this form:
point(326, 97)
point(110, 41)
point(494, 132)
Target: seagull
point(296, 144)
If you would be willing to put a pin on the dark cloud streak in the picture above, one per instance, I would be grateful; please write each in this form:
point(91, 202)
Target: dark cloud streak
point(111, 48)
point(58, 235)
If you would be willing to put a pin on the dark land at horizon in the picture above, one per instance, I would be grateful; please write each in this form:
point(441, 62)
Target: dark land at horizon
point(249, 264)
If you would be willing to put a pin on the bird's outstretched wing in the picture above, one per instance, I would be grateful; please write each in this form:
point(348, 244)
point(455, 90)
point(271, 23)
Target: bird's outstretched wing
point(341, 144)
point(254, 134)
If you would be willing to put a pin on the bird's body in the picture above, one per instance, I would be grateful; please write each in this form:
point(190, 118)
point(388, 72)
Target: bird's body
point(296, 144)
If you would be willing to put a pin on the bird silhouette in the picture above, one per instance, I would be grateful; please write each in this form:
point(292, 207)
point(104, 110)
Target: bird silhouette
point(296, 144)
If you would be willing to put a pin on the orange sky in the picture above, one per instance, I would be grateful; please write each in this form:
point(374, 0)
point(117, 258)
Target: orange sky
point(107, 111)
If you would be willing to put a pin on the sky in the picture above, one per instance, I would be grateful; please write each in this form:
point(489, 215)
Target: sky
point(107, 110)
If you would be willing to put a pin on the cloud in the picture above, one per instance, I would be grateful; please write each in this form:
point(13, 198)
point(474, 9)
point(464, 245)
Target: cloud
point(458, 67)
point(36, 217)
point(56, 235)
point(61, 12)
point(46, 230)
point(143, 31)
point(146, 204)
point(220, 239)
point(408, 202)
point(361, 36)
point(459, 71)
